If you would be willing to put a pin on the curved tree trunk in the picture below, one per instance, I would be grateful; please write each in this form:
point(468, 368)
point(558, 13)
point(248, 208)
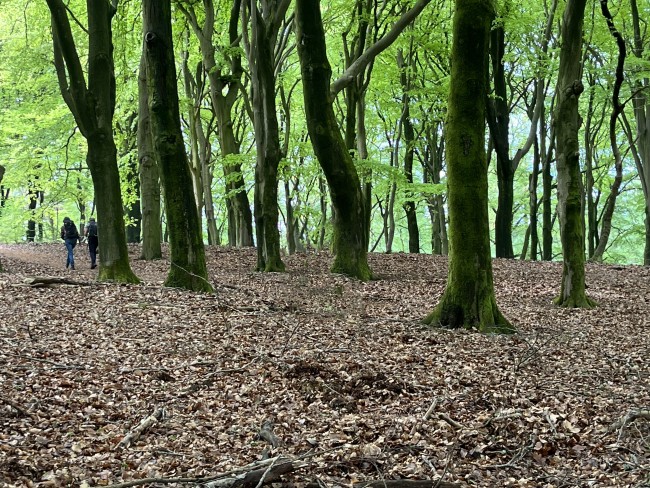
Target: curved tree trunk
point(569, 179)
point(92, 107)
point(468, 300)
point(349, 237)
point(188, 268)
point(617, 108)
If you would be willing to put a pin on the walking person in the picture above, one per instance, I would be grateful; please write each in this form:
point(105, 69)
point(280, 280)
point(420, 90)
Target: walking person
point(90, 231)
point(70, 236)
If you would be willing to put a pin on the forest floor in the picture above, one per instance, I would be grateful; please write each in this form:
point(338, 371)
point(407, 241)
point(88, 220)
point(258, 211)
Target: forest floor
point(355, 387)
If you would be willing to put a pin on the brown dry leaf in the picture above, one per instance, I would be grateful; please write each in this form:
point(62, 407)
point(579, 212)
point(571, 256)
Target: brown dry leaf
point(342, 369)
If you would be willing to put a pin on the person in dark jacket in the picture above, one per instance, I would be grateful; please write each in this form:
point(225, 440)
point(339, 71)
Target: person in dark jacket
point(90, 231)
point(70, 236)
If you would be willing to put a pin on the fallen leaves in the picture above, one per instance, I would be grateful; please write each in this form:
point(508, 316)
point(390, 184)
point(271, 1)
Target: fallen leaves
point(342, 370)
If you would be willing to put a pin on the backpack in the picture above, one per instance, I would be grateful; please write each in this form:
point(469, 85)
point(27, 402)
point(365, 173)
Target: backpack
point(92, 229)
point(70, 230)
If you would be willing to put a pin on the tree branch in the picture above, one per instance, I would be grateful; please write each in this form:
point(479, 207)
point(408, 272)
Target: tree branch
point(373, 51)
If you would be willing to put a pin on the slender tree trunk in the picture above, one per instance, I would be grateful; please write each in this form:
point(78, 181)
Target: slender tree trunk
point(499, 121)
point(188, 268)
point(349, 237)
point(224, 89)
point(409, 139)
point(642, 115)
point(569, 185)
point(267, 138)
point(32, 195)
point(468, 300)
point(149, 175)
point(547, 186)
point(533, 203)
point(592, 221)
point(617, 109)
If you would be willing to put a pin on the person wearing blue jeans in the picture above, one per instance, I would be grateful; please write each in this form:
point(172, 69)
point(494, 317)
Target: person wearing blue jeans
point(70, 236)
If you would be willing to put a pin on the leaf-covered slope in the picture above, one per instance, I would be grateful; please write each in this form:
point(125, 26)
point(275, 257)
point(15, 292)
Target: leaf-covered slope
point(343, 369)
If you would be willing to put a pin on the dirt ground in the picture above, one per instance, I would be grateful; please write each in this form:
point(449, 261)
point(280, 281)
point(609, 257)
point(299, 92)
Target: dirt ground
point(341, 372)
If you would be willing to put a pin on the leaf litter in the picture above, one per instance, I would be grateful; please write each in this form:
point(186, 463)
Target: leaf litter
point(312, 364)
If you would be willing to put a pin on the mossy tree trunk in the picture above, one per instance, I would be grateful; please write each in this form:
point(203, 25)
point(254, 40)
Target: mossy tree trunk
point(149, 174)
point(468, 300)
point(92, 106)
point(188, 268)
point(569, 178)
point(349, 236)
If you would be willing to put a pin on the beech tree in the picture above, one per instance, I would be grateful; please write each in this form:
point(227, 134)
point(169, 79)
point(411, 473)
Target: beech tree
point(468, 300)
point(264, 50)
point(350, 238)
point(224, 80)
point(149, 174)
point(92, 104)
point(569, 178)
point(188, 269)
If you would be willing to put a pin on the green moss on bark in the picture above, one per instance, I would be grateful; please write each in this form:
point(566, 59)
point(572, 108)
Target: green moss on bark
point(468, 300)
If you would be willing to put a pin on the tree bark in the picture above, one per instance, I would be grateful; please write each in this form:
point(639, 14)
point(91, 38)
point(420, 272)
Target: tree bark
point(468, 300)
point(642, 116)
point(569, 184)
point(617, 109)
point(92, 107)
point(260, 52)
point(349, 236)
point(188, 268)
point(409, 139)
point(149, 175)
point(224, 90)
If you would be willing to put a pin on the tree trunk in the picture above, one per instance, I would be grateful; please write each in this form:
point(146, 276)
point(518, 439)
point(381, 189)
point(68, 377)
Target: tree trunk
point(260, 53)
point(533, 203)
point(349, 236)
point(617, 108)
point(409, 139)
point(188, 267)
point(468, 300)
point(149, 175)
point(92, 108)
point(642, 115)
point(499, 121)
point(569, 184)
point(547, 186)
point(32, 195)
point(224, 90)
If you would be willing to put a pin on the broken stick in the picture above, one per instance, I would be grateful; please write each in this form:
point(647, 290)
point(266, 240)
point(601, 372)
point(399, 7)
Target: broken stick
point(145, 424)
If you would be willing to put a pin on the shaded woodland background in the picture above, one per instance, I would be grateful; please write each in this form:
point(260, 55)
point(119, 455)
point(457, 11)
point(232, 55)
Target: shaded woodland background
point(343, 369)
point(395, 137)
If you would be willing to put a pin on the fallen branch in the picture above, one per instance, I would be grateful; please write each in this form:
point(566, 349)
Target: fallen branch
point(145, 424)
point(628, 418)
point(47, 281)
point(47, 361)
point(250, 476)
point(405, 484)
point(17, 407)
point(209, 380)
point(450, 421)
